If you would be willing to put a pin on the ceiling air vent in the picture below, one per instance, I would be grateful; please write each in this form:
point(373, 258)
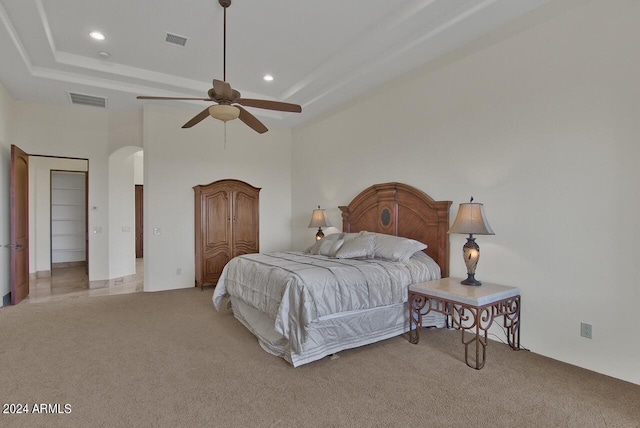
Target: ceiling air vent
point(87, 100)
point(174, 39)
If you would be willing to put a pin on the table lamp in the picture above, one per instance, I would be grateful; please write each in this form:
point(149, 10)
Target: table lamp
point(319, 220)
point(471, 219)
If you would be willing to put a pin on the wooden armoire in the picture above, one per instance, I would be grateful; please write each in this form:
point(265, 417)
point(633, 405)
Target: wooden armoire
point(226, 225)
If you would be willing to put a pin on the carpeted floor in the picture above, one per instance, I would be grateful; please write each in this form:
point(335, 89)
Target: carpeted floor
point(169, 359)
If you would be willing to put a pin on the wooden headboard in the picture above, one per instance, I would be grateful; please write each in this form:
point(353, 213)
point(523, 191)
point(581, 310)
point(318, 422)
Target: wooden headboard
point(402, 210)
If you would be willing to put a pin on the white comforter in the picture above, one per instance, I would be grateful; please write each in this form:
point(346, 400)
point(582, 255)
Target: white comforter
point(295, 289)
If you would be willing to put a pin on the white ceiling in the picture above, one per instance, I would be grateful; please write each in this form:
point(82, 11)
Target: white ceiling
point(321, 53)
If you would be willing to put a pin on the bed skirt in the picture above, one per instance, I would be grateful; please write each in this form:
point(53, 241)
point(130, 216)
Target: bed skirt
point(333, 333)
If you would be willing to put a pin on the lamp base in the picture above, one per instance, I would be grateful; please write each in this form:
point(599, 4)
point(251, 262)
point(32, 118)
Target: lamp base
point(319, 235)
point(471, 280)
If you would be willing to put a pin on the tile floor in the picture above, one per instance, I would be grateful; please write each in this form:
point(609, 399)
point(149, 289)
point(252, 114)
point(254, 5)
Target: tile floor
point(72, 282)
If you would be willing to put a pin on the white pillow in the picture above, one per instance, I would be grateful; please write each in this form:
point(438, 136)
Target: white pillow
point(334, 236)
point(350, 236)
point(316, 246)
point(359, 247)
point(396, 248)
point(330, 248)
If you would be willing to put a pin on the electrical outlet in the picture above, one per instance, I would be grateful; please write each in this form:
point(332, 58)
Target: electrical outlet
point(585, 330)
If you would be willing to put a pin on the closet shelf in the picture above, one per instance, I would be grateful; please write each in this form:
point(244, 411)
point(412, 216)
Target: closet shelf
point(67, 188)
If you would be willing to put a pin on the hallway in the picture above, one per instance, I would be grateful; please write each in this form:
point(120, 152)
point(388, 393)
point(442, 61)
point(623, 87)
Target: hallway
point(72, 282)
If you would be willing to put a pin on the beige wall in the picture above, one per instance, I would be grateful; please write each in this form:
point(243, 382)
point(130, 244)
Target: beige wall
point(77, 133)
point(122, 225)
point(177, 159)
point(5, 164)
point(138, 168)
point(125, 170)
point(543, 129)
point(125, 129)
point(100, 137)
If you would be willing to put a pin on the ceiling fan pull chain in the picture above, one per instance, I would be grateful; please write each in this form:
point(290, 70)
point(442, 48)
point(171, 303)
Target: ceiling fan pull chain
point(225, 135)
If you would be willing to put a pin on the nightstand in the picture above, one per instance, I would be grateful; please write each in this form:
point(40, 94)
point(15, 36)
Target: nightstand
point(470, 308)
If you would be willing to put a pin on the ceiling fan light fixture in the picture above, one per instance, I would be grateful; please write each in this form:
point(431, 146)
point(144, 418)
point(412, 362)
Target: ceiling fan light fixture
point(224, 112)
point(97, 35)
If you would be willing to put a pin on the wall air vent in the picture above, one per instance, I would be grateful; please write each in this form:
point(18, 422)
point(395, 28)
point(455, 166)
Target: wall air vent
point(87, 100)
point(174, 39)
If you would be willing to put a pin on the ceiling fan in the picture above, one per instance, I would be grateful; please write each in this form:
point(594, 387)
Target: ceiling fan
point(229, 103)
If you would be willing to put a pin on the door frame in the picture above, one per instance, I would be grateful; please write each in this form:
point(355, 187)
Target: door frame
point(15, 296)
point(139, 220)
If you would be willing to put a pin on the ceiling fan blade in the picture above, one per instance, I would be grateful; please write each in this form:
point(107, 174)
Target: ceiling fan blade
point(270, 105)
point(252, 121)
point(222, 89)
point(141, 97)
point(197, 118)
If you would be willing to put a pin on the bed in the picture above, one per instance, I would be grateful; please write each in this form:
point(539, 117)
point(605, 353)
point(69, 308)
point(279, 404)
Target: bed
point(348, 290)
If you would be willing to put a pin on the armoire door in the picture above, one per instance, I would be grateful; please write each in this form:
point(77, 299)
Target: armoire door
point(217, 234)
point(245, 222)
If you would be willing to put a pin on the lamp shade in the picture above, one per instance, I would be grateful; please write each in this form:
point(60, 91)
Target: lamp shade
point(471, 219)
point(319, 218)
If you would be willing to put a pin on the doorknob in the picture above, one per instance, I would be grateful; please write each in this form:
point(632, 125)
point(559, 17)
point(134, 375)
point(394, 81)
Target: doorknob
point(16, 246)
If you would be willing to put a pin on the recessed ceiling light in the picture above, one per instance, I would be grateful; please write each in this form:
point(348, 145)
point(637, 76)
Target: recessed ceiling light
point(104, 54)
point(268, 77)
point(97, 35)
